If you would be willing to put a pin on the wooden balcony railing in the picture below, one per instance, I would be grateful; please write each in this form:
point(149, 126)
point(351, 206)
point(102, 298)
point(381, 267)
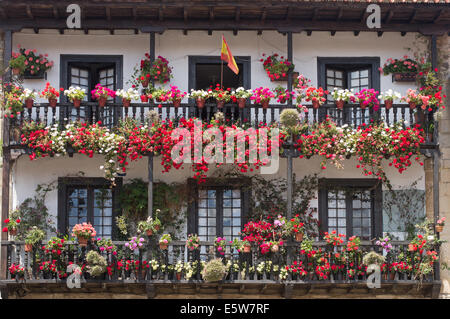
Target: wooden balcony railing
point(112, 113)
point(248, 267)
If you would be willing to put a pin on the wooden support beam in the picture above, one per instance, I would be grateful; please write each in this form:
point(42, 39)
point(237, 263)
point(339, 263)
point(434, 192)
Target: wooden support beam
point(237, 15)
point(185, 14)
point(315, 14)
point(108, 13)
point(340, 14)
point(389, 16)
point(356, 33)
point(403, 33)
point(439, 16)
point(288, 13)
point(413, 17)
point(211, 13)
point(55, 12)
point(380, 33)
point(308, 33)
point(333, 33)
point(160, 14)
point(134, 13)
point(264, 15)
point(29, 13)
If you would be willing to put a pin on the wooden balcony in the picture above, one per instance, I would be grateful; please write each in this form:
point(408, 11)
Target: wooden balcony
point(112, 113)
point(249, 274)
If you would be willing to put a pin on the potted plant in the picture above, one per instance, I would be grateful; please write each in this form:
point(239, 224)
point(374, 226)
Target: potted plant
point(241, 245)
point(160, 70)
point(341, 97)
point(101, 94)
point(75, 95)
point(95, 264)
point(367, 98)
point(156, 221)
point(33, 236)
point(412, 98)
point(200, 97)
point(282, 94)
point(440, 225)
point(296, 227)
point(127, 96)
point(29, 96)
point(35, 64)
point(146, 226)
point(214, 270)
point(262, 96)
point(277, 68)
point(51, 94)
point(175, 95)
point(160, 95)
point(17, 271)
point(178, 269)
point(389, 97)
point(192, 242)
point(17, 64)
point(164, 241)
point(83, 232)
point(13, 104)
point(240, 95)
point(222, 96)
point(11, 226)
point(219, 243)
point(316, 96)
point(135, 243)
point(275, 245)
point(403, 70)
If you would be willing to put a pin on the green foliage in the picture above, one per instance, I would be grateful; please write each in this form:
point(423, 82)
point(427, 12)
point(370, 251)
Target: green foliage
point(18, 63)
point(34, 236)
point(289, 118)
point(96, 263)
point(373, 258)
point(214, 270)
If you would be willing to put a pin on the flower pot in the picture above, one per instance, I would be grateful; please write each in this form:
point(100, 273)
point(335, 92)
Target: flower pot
point(412, 105)
point(177, 103)
point(247, 248)
point(29, 103)
point(298, 236)
point(200, 103)
point(275, 248)
point(52, 102)
point(362, 105)
point(220, 104)
point(241, 102)
point(28, 247)
point(82, 241)
point(388, 104)
point(392, 275)
point(178, 275)
point(439, 228)
point(411, 247)
point(126, 102)
point(13, 231)
point(315, 104)
point(404, 77)
point(144, 98)
point(101, 101)
point(162, 246)
point(265, 104)
point(340, 104)
point(156, 227)
point(145, 83)
point(15, 71)
point(149, 232)
point(76, 103)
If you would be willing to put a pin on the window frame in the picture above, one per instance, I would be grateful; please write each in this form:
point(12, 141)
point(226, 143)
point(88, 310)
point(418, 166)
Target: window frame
point(376, 197)
point(64, 183)
point(195, 59)
point(194, 187)
point(352, 62)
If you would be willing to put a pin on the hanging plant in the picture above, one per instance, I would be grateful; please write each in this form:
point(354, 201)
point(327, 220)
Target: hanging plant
point(277, 68)
point(29, 63)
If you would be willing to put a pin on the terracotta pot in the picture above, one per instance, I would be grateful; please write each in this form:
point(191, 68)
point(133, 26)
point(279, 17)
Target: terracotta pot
point(200, 103)
point(265, 104)
point(275, 248)
point(439, 228)
point(247, 248)
point(149, 232)
point(145, 83)
point(388, 104)
point(361, 105)
point(16, 71)
point(156, 227)
point(220, 104)
point(298, 236)
point(102, 101)
point(13, 232)
point(52, 102)
point(241, 102)
point(177, 103)
point(410, 247)
point(315, 104)
point(28, 247)
point(76, 103)
point(178, 275)
point(126, 102)
point(82, 241)
point(29, 103)
point(340, 104)
point(392, 275)
point(412, 105)
point(144, 98)
point(162, 246)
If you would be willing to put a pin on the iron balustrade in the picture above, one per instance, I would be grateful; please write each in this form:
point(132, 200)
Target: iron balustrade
point(177, 251)
point(112, 113)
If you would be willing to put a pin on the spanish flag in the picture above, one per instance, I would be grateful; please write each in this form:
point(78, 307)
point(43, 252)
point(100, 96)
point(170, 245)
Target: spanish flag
point(225, 55)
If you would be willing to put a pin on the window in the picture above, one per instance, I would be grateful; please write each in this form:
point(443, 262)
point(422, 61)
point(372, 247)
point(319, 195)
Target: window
point(351, 207)
point(87, 200)
point(219, 210)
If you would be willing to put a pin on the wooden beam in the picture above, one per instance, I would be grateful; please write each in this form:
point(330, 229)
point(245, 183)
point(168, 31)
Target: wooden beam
point(55, 12)
point(237, 15)
point(356, 33)
point(185, 14)
point(413, 17)
point(211, 13)
point(315, 14)
point(308, 33)
point(108, 13)
point(340, 14)
point(263, 15)
point(389, 16)
point(160, 14)
point(380, 33)
point(439, 16)
point(29, 13)
point(333, 33)
point(134, 13)
point(3, 14)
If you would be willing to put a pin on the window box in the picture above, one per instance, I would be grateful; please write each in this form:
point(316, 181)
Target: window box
point(404, 77)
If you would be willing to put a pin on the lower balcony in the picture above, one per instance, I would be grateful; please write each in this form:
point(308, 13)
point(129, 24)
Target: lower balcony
point(323, 271)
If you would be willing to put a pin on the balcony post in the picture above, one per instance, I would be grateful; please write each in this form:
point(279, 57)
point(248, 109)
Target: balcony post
point(6, 159)
point(290, 58)
point(150, 156)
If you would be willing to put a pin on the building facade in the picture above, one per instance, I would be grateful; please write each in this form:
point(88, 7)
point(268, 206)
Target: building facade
point(329, 43)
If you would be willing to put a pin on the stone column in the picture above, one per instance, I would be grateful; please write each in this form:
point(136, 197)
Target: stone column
point(443, 45)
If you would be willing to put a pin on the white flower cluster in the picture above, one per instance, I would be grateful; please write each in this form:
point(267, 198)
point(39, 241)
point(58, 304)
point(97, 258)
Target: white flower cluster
point(28, 94)
point(75, 92)
point(199, 94)
point(130, 94)
point(342, 95)
point(390, 95)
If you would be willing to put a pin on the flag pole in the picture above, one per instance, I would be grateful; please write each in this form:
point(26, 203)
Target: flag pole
point(221, 75)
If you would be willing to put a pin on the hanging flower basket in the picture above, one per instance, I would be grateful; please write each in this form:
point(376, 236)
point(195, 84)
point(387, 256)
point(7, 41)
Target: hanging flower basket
point(275, 248)
point(220, 104)
point(13, 231)
point(362, 105)
point(144, 98)
point(404, 77)
point(265, 104)
point(178, 275)
point(412, 105)
point(16, 71)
